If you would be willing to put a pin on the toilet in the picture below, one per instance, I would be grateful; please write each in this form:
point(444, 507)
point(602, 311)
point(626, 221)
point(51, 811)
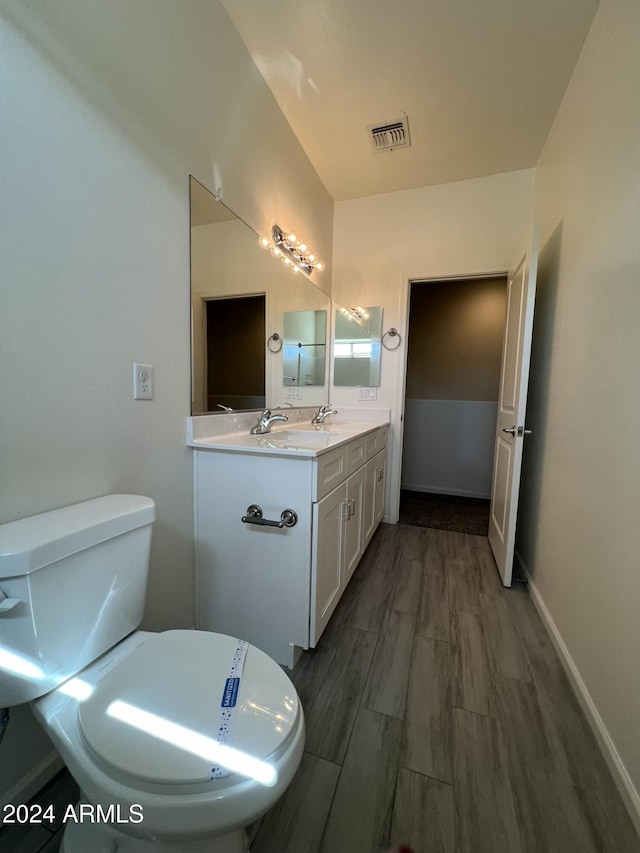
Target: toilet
point(177, 740)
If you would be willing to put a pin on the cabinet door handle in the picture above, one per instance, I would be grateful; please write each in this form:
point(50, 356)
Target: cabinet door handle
point(346, 510)
point(379, 474)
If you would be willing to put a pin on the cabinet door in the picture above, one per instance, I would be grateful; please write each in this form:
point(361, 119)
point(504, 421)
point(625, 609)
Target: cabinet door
point(374, 494)
point(369, 501)
point(354, 523)
point(326, 559)
point(379, 471)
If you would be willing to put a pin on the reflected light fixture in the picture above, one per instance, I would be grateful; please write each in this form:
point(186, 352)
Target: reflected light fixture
point(358, 313)
point(293, 253)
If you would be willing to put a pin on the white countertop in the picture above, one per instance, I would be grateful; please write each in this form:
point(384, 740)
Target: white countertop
point(296, 438)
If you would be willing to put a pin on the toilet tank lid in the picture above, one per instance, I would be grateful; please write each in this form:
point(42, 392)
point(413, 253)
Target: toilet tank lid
point(30, 543)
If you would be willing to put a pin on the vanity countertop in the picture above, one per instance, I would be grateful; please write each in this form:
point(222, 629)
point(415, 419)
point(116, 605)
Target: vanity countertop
point(296, 438)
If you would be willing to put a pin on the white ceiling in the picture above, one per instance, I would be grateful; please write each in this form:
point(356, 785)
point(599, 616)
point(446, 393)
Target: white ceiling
point(480, 82)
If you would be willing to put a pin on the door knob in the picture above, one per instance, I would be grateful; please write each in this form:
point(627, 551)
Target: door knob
point(519, 431)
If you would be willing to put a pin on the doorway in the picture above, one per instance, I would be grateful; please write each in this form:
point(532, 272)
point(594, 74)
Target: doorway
point(235, 352)
point(454, 348)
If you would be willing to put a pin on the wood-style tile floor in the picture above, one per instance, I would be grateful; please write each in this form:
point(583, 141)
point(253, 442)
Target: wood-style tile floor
point(438, 716)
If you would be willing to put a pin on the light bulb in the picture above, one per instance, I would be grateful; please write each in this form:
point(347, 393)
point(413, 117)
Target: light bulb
point(302, 248)
point(319, 266)
point(287, 261)
point(311, 258)
point(276, 252)
point(291, 239)
point(264, 243)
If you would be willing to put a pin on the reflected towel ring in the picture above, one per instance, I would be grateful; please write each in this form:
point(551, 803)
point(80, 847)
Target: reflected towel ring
point(392, 333)
point(274, 339)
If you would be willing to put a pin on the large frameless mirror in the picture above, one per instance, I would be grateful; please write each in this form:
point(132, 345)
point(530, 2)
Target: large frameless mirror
point(357, 346)
point(240, 297)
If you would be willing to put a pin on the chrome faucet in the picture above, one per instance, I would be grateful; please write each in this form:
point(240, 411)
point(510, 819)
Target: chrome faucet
point(322, 413)
point(264, 422)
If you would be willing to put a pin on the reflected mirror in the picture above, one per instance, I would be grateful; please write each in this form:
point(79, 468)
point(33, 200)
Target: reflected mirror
point(357, 346)
point(304, 354)
point(240, 296)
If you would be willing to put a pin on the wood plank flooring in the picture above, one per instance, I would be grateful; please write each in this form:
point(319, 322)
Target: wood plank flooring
point(438, 716)
point(442, 719)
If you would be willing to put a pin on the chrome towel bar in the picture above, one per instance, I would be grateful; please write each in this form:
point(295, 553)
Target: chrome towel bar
point(288, 517)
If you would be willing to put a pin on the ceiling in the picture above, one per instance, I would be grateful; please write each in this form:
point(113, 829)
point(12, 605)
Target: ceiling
point(479, 80)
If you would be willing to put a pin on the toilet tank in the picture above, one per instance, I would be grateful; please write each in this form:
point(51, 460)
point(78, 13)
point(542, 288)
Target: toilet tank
point(72, 584)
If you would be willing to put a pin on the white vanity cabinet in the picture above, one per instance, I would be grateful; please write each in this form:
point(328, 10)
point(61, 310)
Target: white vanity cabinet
point(277, 587)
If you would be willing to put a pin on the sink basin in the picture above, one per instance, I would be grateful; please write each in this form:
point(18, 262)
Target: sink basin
point(297, 437)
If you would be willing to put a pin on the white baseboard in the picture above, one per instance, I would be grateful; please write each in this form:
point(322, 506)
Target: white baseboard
point(619, 772)
point(34, 780)
point(437, 490)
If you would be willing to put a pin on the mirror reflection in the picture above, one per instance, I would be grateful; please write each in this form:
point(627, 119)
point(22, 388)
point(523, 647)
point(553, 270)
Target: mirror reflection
point(240, 295)
point(304, 355)
point(357, 346)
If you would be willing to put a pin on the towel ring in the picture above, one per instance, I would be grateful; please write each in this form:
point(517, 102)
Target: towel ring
point(392, 333)
point(274, 339)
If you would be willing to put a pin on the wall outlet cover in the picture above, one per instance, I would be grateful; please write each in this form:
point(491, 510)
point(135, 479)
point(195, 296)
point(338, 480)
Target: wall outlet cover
point(143, 381)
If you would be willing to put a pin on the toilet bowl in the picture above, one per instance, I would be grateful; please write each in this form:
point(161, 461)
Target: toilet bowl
point(177, 740)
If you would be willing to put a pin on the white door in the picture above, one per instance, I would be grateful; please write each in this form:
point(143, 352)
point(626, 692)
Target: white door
point(510, 430)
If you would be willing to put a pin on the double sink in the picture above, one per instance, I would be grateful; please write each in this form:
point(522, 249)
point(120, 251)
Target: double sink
point(295, 438)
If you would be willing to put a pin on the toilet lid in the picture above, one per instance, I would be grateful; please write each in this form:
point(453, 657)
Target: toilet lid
point(156, 715)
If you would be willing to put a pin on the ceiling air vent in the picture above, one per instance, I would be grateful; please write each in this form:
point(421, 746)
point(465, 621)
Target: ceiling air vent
point(391, 134)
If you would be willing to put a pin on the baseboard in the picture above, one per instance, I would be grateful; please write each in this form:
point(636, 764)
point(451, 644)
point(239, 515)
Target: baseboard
point(34, 780)
point(437, 490)
point(623, 781)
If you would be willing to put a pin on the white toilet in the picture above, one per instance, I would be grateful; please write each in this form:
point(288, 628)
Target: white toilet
point(177, 740)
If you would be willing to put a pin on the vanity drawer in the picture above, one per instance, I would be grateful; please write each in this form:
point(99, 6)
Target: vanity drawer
point(331, 470)
point(375, 442)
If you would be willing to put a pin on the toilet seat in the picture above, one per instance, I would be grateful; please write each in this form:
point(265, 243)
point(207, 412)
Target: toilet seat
point(153, 718)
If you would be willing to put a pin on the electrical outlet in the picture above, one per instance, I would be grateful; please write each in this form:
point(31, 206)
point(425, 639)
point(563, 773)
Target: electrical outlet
point(294, 393)
point(143, 382)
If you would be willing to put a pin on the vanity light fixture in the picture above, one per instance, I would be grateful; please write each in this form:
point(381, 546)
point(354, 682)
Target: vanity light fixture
point(358, 313)
point(293, 253)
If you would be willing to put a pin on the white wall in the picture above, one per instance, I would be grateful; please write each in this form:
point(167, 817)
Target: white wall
point(106, 109)
point(580, 504)
point(380, 243)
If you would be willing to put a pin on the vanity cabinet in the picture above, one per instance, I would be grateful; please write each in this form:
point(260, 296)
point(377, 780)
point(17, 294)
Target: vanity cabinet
point(278, 587)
